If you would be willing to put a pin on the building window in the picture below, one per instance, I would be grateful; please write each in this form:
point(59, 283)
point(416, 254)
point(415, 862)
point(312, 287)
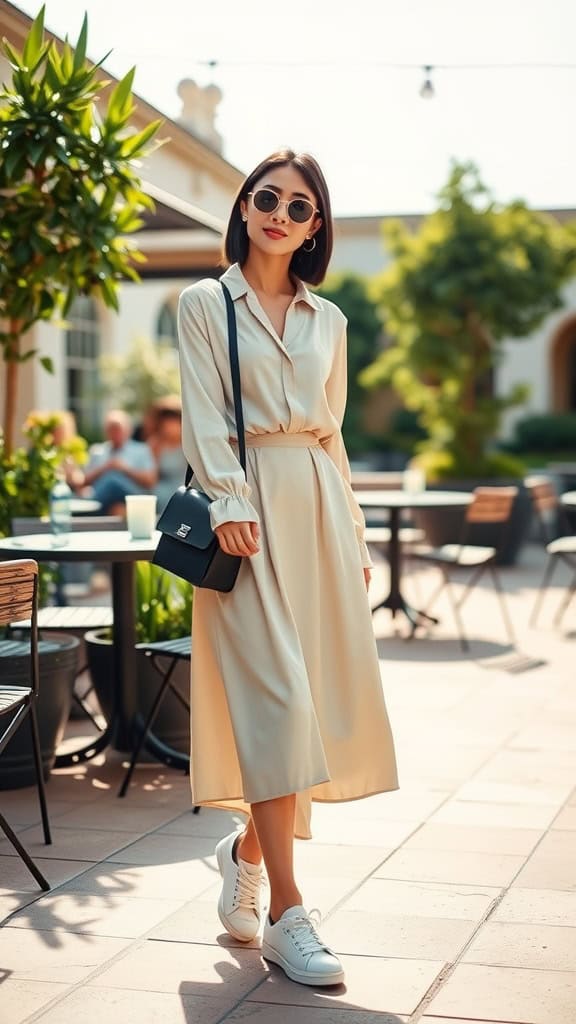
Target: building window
point(563, 353)
point(82, 366)
point(166, 324)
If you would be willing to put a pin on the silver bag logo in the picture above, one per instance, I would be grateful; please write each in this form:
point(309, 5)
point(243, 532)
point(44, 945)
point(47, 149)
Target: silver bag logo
point(183, 530)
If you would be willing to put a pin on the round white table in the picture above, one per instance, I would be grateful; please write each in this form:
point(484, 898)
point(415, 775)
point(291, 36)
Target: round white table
point(569, 499)
point(395, 502)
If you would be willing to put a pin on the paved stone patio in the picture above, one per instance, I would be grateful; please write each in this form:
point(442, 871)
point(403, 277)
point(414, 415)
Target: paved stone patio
point(450, 901)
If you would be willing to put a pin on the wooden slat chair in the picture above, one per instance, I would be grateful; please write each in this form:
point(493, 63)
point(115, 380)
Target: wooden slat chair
point(19, 599)
point(74, 619)
point(552, 519)
point(488, 505)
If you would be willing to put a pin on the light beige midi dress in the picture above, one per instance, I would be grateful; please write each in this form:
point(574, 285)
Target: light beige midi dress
point(286, 688)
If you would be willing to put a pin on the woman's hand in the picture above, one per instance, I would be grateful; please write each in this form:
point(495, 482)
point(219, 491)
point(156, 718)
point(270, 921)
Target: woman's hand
point(367, 577)
point(238, 538)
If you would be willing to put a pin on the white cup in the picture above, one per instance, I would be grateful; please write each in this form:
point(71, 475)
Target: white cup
point(413, 480)
point(141, 515)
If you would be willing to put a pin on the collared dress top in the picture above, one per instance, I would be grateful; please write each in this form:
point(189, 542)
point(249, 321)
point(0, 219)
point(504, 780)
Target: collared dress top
point(286, 692)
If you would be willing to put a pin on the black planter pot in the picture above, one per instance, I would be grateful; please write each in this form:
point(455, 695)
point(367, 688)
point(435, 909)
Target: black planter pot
point(444, 526)
point(172, 723)
point(58, 660)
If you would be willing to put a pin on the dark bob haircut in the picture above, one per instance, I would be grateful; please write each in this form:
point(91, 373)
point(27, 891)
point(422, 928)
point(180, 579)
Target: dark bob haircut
point(308, 266)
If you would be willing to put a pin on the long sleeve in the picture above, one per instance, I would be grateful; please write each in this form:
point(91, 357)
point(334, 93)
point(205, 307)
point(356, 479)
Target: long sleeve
point(336, 392)
point(204, 427)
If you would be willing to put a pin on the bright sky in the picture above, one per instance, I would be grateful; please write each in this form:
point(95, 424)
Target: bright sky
point(306, 74)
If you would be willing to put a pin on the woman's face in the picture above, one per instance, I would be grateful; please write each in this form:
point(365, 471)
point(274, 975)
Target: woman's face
point(276, 233)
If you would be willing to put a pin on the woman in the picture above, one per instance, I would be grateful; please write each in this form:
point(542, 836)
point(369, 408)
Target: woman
point(165, 442)
point(287, 703)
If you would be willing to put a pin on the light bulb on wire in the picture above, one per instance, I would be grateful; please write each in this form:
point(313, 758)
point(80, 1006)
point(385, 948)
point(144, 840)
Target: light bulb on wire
point(427, 91)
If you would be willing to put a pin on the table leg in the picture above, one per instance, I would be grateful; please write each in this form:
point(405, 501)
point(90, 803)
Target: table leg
point(395, 601)
point(123, 604)
point(118, 730)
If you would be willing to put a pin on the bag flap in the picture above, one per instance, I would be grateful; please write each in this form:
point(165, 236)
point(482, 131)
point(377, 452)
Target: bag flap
point(187, 518)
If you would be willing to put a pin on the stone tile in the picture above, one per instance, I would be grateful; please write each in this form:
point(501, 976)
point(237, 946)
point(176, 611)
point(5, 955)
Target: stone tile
point(15, 901)
point(529, 767)
point(422, 899)
point(537, 906)
point(165, 849)
point(473, 839)
point(513, 793)
point(54, 956)
point(198, 922)
point(86, 844)
point(507, 994)
point(95, 915)
point(185, 880)
point(452, 866)
point(128, 818)
point(91, 1006)
point(20, 999)
point(390, 986)
point(566, 820)
point(495, 815)
point(313, 860)
point(386, 935)
point(226, 973)
point(375, 832)
point(268, 1013)
point(15, 877)
point(535, 946)
point(552, 864)
point(456, 1020)
point(209, 822)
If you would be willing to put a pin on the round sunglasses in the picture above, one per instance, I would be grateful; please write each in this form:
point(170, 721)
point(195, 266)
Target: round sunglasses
point(267, 201)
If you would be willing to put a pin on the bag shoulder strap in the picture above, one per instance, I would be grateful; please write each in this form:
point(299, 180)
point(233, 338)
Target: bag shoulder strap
point(236, 384)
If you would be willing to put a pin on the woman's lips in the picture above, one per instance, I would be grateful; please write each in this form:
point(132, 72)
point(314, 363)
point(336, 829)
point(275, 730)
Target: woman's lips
point(274, 234)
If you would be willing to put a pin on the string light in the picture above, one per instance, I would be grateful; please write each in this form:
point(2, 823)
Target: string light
point(427, 88)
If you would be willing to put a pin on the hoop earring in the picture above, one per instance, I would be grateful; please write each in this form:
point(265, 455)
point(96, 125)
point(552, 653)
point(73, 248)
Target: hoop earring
point(311, 248)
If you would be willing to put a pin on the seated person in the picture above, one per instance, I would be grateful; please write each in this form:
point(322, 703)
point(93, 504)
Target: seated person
point(119, 466)
point(166, 445)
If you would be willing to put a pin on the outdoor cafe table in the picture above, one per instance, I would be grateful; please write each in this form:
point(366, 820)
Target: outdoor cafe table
point(569, 499)
point(395, 502)
point(118, 549)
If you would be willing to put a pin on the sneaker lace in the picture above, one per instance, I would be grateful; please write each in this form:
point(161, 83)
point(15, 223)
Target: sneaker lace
point(247, 890)
point(303, 931)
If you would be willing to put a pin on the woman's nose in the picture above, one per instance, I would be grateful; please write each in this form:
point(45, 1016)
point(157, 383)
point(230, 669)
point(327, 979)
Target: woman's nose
point(281, 211)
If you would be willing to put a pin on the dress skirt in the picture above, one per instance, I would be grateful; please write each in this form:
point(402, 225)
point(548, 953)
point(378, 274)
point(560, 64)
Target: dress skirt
point(286, 689)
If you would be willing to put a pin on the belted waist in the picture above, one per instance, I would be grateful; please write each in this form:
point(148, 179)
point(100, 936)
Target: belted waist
point(280, 439)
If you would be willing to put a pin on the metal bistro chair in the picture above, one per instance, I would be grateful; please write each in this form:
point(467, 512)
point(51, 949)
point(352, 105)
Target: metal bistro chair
point(19, 598)
point(175, 651)
point(488, 505)
point(75, 619)
point(552, 519)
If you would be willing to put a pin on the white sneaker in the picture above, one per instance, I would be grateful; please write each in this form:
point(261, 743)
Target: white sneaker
point(239, 903)
point(294, 944)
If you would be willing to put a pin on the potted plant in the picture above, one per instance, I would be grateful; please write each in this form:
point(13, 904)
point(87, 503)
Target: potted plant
point(163, 612)
point(474, 274)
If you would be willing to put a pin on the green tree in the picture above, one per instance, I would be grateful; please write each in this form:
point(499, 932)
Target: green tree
point(69, 192)
point(474, 274)
point(351, 293)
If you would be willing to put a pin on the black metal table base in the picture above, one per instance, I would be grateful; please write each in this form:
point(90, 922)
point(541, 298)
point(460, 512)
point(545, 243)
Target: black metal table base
point(167, 755)
point(396, 603)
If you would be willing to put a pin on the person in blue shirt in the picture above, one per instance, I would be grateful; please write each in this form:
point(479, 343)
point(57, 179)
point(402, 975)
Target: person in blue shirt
point(119, 466)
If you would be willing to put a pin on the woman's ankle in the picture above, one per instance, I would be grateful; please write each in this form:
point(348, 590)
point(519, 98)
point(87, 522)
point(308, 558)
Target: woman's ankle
point(247, 851)
point(280, 906)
